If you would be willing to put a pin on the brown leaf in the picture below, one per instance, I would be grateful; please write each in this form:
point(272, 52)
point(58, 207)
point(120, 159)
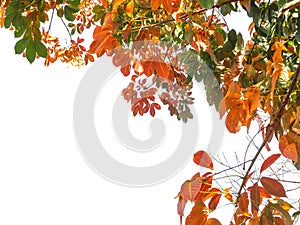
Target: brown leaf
point(255, 198)
point(273, 186)
point(203, 159)
point(243, 202)
point(269, 161)
point(290, 151)
point(214, 201)
point(246, 4)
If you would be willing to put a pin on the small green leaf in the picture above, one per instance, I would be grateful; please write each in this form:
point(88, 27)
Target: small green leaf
point(69, 13)
point(232, 38)
point(41, 5)
point(240, 42)
point(40, 48)
point(30, 52)
point(208, 4)
point(296, 214)
point(21, 45)
point(74, 2)
point(8, 20)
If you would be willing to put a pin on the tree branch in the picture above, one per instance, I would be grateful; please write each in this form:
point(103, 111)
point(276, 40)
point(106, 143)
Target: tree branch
point(272, 127)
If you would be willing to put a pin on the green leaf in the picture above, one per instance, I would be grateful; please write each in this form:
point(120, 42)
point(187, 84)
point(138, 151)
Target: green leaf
point(74, 2)
point(40, 48)
point(296, 214)
point(298, 36)
point(69, 13)
point(208, 4)
point(232, 38)
point(21, 45)
point(41, 5)
point(8, 20)
point(30, 51)
point(240, 42)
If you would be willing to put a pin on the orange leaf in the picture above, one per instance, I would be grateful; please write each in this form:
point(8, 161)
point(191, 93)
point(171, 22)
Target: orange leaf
point(148, 67)
point(167, 4)
point(190, 188)
point(129, 8)
point(213, 203)
point(273, 186)
point(203, 159)
point(269, 161)
point(227, 194)
point(290, 151)
point(252, 95)
point(234, 120)
point(233, 95)
point(155, 4)
point(243, 202)
point(198, 214)
point(212, 221)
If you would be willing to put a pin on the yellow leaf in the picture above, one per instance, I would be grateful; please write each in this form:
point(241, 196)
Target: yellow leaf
point(129, 8)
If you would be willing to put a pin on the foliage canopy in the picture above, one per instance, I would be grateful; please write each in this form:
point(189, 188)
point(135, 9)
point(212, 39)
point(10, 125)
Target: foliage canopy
point(173, 43)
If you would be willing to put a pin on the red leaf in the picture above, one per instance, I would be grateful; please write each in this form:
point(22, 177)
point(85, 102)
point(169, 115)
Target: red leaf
point(269, 161)
point(273, 186)
point(203, 159)
point(180, 207)
point(243, 202)
point(213, 203)
point(190, 189)
point(255, 198)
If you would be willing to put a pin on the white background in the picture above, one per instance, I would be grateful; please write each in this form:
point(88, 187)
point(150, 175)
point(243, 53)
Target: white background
point(43, 178)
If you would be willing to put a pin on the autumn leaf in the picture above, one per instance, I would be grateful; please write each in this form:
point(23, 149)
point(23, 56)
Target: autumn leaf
point(129, 8)
point(167, 5)
point(213, 221)
point(203, 159)
point(269, 161)
point(288, 147)
point(273, 186)
point(255, 198)
point(214, 201)
point(198, 214)
point(180, 207)
point(191, 188)
point(155, 4)
point(246, 4)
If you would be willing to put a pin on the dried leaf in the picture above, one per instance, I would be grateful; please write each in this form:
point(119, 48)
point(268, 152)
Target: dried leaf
point(246, 4)
point(255, 198)
point(273, 186)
